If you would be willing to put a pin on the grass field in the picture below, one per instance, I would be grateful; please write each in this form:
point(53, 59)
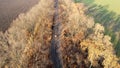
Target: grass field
point(10, 9)
point(114, 5)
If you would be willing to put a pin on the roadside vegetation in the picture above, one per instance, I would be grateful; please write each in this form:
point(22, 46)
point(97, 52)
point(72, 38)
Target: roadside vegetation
point(109, 19)
point(26, 44)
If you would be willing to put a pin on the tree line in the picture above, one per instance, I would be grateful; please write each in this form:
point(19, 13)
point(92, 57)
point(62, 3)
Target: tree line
point(109, 19)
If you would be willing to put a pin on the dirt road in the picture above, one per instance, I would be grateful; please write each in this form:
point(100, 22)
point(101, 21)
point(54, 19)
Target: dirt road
point(10, 9)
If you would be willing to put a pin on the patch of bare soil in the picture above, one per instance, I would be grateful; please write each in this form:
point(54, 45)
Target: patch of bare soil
point(10, 9)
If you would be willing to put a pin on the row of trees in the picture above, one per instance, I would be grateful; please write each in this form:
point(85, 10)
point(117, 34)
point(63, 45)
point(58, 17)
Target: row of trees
point(110, 20)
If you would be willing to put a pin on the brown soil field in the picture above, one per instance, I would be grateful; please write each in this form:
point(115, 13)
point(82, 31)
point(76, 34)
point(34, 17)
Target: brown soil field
point(10, 9)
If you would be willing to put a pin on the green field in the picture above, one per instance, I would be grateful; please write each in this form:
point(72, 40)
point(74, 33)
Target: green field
point(114, 5)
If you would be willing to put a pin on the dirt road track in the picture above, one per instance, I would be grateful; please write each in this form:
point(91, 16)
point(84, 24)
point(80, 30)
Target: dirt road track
point(10, 9)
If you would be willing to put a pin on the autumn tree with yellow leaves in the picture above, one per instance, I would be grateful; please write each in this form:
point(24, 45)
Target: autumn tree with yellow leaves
point(27, 43)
